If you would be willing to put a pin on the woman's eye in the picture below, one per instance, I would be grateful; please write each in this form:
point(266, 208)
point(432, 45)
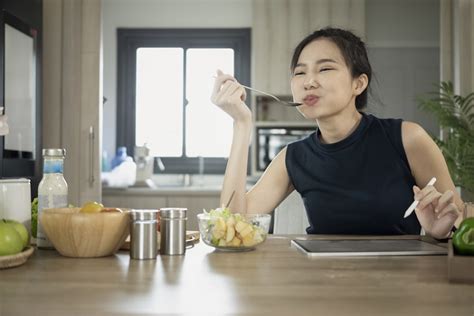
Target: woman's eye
point(325, 69)
point(299, 73)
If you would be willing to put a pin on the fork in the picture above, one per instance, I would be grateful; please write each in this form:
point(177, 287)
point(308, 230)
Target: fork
point(274, 97)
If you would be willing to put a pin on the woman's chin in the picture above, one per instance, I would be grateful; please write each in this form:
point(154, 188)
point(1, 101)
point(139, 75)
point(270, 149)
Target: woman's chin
point(311, 113)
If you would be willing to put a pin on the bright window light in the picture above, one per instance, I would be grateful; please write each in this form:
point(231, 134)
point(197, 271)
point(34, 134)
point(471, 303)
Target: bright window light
point(208, 128)
point(159, 100)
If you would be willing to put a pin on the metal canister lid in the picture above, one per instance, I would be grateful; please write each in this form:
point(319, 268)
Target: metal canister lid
point(173, 212)
point(144, 215)
point(54, 152)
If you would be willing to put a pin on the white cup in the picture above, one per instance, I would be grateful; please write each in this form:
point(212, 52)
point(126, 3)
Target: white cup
point(15, 200)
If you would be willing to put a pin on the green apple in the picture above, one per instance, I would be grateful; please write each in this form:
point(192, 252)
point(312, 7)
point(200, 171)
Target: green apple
point(21, 229)
point(10, 240)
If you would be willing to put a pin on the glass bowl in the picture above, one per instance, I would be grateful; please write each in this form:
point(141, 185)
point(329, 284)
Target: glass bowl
point(233, 232)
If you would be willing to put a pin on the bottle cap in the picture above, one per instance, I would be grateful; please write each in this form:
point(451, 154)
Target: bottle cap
point(54, 152)
point(173, 212)
point(144, 215)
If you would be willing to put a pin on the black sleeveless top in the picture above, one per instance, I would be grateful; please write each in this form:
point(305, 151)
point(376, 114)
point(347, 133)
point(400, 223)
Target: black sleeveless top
point(359, 185)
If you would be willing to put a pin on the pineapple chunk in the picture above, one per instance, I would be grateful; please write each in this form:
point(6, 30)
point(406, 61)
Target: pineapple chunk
point(248, 240)
point(218, 234)
point(239, 226)
point(235, 242)
point(247, 230)
point(231, 221)
point(219, 229)
point(220, 224)
point(222, 243)
point(230, 233)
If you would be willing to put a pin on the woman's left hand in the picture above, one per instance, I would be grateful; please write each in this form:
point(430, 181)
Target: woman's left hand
point(436, 212)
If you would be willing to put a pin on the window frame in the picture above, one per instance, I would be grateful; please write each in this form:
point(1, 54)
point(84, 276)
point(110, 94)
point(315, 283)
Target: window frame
point(129, 40)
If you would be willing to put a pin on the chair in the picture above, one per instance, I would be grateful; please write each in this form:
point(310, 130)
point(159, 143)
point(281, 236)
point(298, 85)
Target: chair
point(290, 216)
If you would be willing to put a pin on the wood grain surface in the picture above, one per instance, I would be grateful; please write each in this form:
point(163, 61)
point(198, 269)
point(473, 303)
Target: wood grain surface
point(274, 279)
point(76, 234)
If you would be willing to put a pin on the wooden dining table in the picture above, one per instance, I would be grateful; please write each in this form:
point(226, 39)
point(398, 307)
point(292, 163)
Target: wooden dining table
point(274, 279)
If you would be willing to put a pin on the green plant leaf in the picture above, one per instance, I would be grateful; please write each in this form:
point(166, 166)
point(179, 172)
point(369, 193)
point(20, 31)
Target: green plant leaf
point(455, 114)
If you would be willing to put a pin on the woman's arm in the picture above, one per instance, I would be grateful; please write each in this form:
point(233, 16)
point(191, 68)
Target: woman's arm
point(235, 177)
point(440, 205)
point(274, 185)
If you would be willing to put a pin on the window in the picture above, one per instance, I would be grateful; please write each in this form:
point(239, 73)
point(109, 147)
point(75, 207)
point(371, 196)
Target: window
point(165, 79)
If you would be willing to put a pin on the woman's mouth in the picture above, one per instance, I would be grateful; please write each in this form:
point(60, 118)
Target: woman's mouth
point(311, 100)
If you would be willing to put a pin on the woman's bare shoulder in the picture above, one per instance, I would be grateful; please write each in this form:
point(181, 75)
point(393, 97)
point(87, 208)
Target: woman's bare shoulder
point(413, 134)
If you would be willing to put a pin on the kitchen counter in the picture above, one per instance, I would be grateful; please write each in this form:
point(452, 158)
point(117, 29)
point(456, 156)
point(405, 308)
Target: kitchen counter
point(274, 279)
point(194, 198)
point(163, 190)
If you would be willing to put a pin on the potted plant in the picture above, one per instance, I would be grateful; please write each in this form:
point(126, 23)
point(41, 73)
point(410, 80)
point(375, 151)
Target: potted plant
point(455, 115)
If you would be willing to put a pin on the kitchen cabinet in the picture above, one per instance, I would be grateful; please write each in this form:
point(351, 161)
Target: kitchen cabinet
point(194, 199)
point(20, 89)
point(73, 94)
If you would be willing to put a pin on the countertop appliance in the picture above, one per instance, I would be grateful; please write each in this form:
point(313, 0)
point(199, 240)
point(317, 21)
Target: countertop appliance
point(271, 140)
point(144, 167)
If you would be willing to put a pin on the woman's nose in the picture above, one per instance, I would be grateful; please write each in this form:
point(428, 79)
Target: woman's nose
point(310, 83)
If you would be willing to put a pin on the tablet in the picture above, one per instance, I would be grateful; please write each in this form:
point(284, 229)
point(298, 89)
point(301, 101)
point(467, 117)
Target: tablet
point(368, 247)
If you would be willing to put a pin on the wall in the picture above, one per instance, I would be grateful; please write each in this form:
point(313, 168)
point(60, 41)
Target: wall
point(403, 41)
point(158, 14)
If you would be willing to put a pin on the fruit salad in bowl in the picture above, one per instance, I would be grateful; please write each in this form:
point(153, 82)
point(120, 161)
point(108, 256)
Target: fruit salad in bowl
point(224, 230)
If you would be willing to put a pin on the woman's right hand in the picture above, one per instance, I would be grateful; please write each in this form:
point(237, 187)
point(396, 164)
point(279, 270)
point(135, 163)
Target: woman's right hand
point(229, 95)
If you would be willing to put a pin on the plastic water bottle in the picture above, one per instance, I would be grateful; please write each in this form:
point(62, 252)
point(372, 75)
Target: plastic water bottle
point(52, 190)
point(120, 157)
point(105, 161)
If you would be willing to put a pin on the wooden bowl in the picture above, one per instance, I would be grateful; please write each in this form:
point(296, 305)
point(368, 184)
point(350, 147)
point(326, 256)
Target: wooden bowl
point(16, 259)
point(85, 235)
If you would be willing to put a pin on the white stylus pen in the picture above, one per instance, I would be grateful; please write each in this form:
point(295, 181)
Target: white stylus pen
point(415, 203)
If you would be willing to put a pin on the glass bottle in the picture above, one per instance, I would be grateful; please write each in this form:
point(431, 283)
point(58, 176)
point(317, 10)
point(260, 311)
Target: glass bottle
point(52, 190)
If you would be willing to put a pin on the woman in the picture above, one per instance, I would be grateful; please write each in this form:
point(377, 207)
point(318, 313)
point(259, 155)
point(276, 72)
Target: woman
point(357, 174)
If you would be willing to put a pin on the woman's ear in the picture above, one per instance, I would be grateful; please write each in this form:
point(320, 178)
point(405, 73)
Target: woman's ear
point(360, 84)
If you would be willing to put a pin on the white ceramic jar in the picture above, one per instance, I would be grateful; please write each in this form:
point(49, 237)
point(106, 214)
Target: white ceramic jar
point(15, 201)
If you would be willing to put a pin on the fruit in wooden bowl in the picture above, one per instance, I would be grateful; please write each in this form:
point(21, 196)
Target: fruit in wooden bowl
point(85, 234)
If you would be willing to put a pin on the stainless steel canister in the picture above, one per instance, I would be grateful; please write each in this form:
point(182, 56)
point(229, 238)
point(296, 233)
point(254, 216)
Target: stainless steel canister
point(173, 231)
point(143, 234)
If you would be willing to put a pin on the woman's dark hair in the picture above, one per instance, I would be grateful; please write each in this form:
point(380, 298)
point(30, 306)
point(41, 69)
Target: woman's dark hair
point(352, 49)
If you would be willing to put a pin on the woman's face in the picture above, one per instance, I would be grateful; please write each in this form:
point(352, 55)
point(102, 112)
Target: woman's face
point(322, 81)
